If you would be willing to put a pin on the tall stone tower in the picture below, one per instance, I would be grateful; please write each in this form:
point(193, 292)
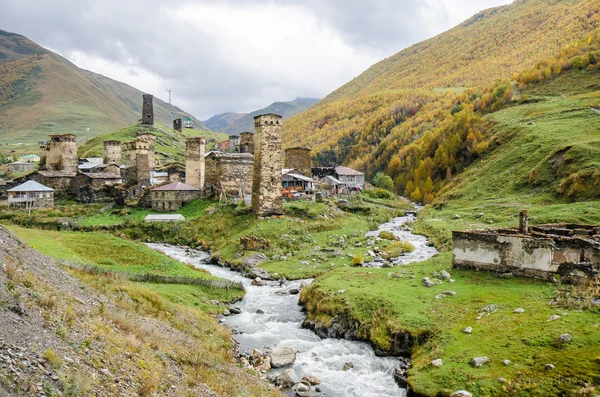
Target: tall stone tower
point(266, 182)
point(194, 162)
point(298, 158)
point(62, 153)
point(112, 152)
point(177, 126)
point(145, 148)
point(44, 148)
point(148, 110)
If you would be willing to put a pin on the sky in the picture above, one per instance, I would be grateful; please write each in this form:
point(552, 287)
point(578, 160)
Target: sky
point(232, 55)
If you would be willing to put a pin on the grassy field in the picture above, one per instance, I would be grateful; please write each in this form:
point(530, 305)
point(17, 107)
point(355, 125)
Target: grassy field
point(528, 340)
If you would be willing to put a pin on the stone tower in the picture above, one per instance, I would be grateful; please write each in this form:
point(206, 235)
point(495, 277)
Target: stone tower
point(112, 152)
point(62, 153)
point(194, 162)
point(130, 170)
point(44, 148)
point(298, 158)
point(247, 142)
point(266, 181)
point(177, 126)
point(145, 157)
point(147, 110)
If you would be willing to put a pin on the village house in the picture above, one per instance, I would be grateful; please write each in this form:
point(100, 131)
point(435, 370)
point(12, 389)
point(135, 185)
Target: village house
point(291, 179)
point(228, 174)
point(173, 196)
point(30, 158)
point(351, 179)
point(20, 166)
point(31, 195)
point(234, 143)
point(223, 146)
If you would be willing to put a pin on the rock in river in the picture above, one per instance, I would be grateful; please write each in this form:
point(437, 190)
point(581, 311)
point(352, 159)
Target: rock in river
point(282, 356)
point(287, 379)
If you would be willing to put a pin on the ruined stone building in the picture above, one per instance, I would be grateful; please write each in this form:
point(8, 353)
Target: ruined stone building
point(177, 125)
point(266, 183)
point(173, 196)
point(140, 160)
point(543, 251)
point(194, 162)
point(20, 166)
point(228, 174)
point(147, 110)
point(246, 142)
point(298, 158)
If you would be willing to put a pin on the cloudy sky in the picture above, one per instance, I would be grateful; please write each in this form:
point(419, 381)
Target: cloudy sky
point(232, 55)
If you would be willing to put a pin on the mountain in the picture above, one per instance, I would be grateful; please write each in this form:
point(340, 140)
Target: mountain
point(235, 123)
point(221, 122)
point(42, 93)
point(422, 115)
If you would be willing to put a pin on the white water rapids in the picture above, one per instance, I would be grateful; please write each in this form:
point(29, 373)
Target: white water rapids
point(280, 325)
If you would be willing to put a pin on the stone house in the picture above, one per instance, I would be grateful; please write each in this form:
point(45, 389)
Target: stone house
point(223, 146)
point(30, 158)
point(31, 195)
point(234, 143)
point(228, 174)
point(246, 142)
point(173, 196)
point(20, 166)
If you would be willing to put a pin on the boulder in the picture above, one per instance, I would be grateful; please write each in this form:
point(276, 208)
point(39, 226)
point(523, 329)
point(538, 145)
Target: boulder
point(294, 291)
point(302, 389)
point(565, 338)
point(519, 310)
point(347, 366)
point(444, 275)
point(549, 367)
point(462, 393)
point(437, 363)
point(254, 260)
point(468, 330)
point(288, 378)
point(449, 293)
point(506, 362)
point(258, 282)
point(427, 282)
point(259, 272)
point(554, 317)
point(235, 310)
point(479, 361)
point(226, 312)
point(312, 380)
point(282, 356)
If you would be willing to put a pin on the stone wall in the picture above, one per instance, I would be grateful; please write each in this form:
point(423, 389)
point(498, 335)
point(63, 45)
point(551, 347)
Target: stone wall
point(112, 152)
point(194, 162)
point(147, 110)
point(228, 173)
point(298, 158)
point(247, 142)
point(538, 254)
point(177, 126)
point(266, 184)
point(62, 153)
point(140, 160)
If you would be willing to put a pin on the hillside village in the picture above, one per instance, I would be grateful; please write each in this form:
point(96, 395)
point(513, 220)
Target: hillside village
point(430, 228)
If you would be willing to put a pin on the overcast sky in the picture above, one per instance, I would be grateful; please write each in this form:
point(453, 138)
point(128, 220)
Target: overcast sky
point(232, 55)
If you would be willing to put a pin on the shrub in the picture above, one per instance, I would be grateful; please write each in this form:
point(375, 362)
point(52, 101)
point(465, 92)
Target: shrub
point(383, 181)
point(358, 260)
point(397, 248)
point(379, 194)
point(52, 358)
point(384, 234)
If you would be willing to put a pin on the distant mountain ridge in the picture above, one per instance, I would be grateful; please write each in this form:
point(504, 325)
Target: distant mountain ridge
point(47, 94)
point(236, 123)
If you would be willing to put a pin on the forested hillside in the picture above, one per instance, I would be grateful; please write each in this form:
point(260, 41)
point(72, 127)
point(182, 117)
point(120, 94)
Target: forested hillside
point(42, 93)
point(397, 118)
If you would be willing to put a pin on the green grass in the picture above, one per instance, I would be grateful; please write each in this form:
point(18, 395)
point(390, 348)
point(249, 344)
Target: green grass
point(169, 143)
point(193, 295)
point(528, 339)
point(104, 250)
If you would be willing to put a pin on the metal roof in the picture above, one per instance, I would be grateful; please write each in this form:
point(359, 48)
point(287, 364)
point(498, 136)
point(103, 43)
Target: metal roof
point(175, 186)
point(31, 186)
point(331, 180)
point(164, 218)
point(340, 170)
point(301, 177)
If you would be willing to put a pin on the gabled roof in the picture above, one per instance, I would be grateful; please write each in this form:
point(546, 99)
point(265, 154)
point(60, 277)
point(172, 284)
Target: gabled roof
point(301, 177)
point(340, 170)
point(31, 186)
point(176, 186)
point(164, 218)
point(331, 180)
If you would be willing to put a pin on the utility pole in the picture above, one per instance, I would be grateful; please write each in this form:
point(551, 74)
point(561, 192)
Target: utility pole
point(170, 110)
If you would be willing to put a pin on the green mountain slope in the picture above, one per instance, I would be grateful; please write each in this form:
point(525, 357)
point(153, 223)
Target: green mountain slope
point(51, 95)
point(236, 123)
point(170, 144)
point(369, 122)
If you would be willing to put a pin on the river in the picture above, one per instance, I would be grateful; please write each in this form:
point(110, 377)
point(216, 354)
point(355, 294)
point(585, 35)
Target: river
point(271, 317)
